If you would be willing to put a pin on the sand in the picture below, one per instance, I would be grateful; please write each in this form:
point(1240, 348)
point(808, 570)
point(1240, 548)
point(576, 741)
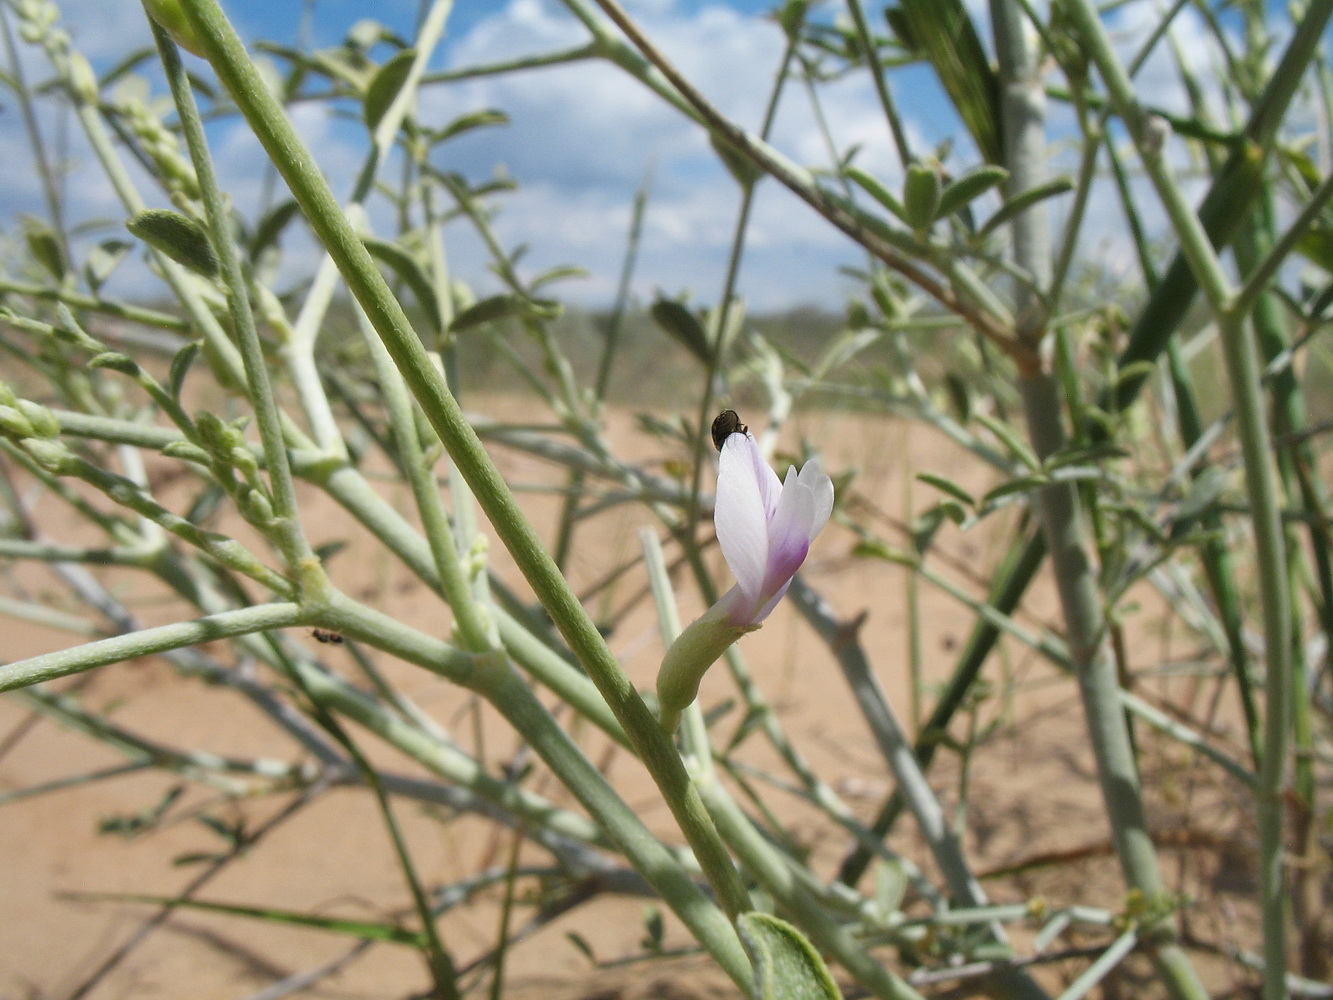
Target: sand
point(1031, 793)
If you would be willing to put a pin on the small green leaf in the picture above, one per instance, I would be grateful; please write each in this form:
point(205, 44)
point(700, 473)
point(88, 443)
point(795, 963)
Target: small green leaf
point(960, 395)
point(270, 227)
point(743, 170)
point(943, 33)
point(873, 187)
point(791, 16)
point(103, 260)
point(186, 451)
point(466, 123)
point(116, 362)
point(1133, 372)
point(180, 366)
point(654, 930)
point(684, 326)
point(931, 520)
point(556, 274)
point(1021, 202)
point(367, 33)
point(1012, 489)
point(581, 943)
point(844, 348)
point(171, 17)
point(948, 486)
point(499, 307)
point(968, 188)
point(874, 548)
point(45, 248)
point(385, 86)
point(891, 884)
point(180, 238)
point(1016, 445)
point(363, 929)
point(1102, 452)
point(125, 67)
point(410, 271)
point(786, 965)
point(1205, 490)
point(921, 196)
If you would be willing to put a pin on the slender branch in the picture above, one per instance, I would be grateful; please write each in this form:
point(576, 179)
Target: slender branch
point(145, 642)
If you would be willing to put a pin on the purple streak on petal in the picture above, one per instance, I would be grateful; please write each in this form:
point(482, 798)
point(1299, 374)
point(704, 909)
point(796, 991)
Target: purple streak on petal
point(771, 603)
point(784, 559)
point(741, 513)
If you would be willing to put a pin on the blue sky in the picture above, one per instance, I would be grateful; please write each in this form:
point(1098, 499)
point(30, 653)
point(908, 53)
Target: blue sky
point(582, 140)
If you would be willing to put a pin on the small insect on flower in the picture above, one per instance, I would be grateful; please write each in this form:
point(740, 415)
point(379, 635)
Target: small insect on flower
point(321, 635)
point(727, 423)
point(765, 527)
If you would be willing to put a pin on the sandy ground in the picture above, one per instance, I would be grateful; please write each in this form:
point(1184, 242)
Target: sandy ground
point(1032, 802)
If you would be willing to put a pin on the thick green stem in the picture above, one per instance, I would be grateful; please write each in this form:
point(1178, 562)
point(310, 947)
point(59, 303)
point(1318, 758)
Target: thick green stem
point(1059, 507)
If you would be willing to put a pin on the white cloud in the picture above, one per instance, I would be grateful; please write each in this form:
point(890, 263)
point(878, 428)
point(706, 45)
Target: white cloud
point(585, 136)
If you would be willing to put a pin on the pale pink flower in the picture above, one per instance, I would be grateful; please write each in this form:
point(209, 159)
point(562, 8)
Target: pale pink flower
point(765, 527)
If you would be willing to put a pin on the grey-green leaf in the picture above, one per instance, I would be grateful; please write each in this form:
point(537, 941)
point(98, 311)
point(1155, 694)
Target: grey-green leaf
point(388, 81)
point(947, 486)
point(180, 238)
point(1027, 199)
point(873, 187)
point(406, 267)
point(786, 965)
point(45, 248)
point(683, 325)
point(499, 307)
point(921, 196)
point(743, 171)
point(971, 186)
point(270, 227)
point(466, 123)
point(103, 259)
point(180, 365)
point(942, 33)
point(1011, 440)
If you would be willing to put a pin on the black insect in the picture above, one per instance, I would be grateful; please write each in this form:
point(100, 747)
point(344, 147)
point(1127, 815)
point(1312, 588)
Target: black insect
point(728, 422)
point(320, 635)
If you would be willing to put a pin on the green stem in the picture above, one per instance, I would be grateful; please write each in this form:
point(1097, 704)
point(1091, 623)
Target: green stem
point(286, 526)
point(841, 639)
point(504, 689)
point(44, 171)
point(1061, 513)
point(145, 642)
point(781, 879)
point(867, 39)
point(298, 168)
point(426, 493)
point(1243, 371)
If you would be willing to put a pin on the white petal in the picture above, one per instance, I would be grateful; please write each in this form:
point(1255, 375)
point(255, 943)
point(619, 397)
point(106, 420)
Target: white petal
point(821, 486)
point(741, 514)
point(796, 510)
point(769, 483)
